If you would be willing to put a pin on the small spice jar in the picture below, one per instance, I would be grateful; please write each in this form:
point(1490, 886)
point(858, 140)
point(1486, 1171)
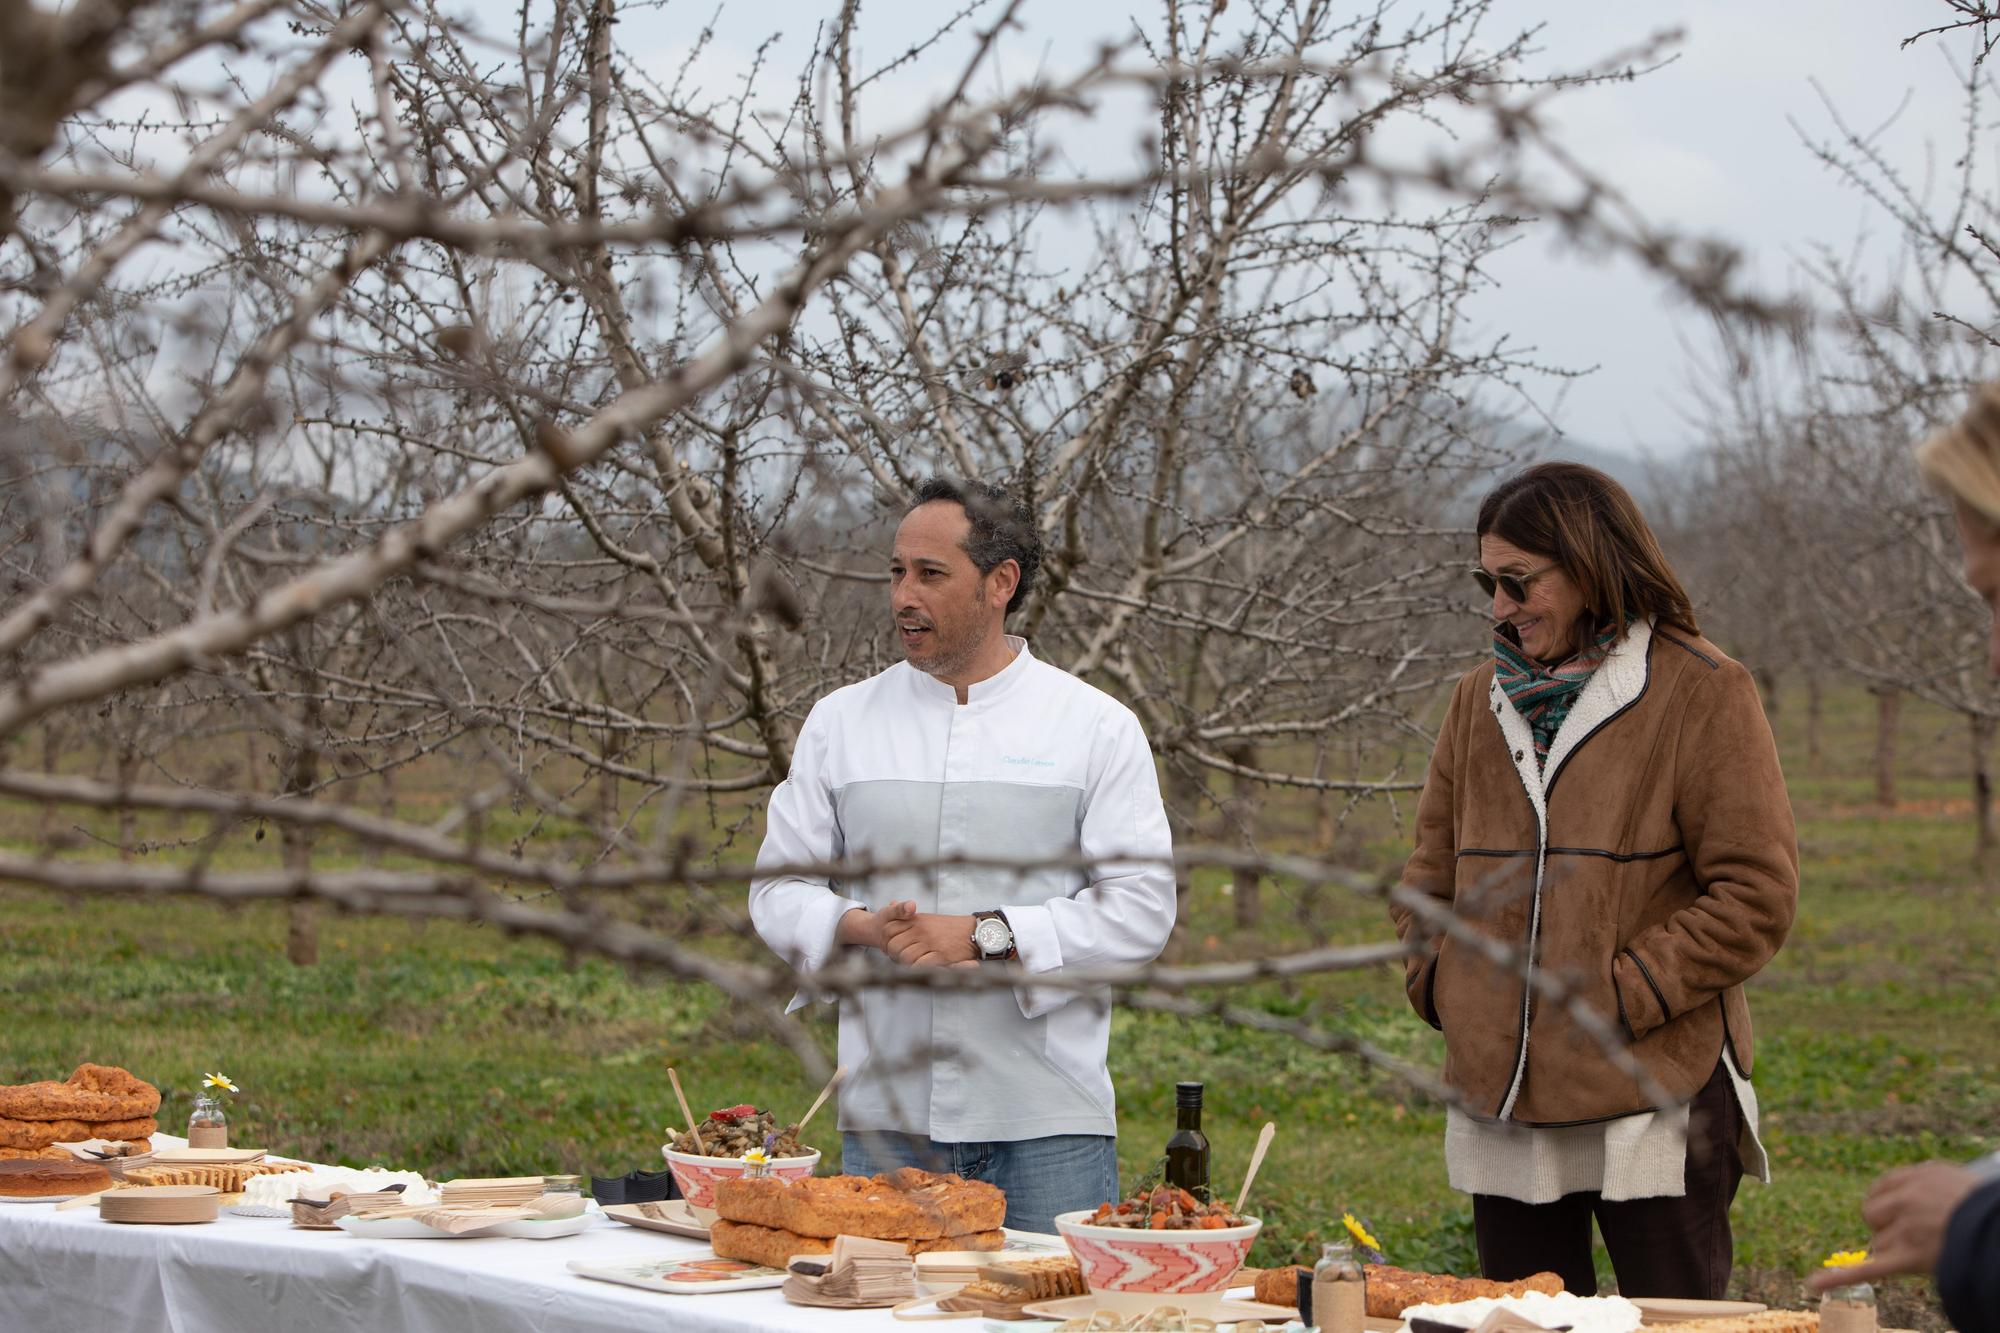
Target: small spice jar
point(1339, 1291)
point(563, 1185)
point(208, 1127)
point(1848, 1309)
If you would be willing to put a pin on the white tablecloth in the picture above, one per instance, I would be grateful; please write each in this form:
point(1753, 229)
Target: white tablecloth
point(72, 1272)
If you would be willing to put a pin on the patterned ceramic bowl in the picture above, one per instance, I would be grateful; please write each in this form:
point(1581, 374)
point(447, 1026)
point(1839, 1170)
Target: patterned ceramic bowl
point(697, 1176)
point(1133, 1271)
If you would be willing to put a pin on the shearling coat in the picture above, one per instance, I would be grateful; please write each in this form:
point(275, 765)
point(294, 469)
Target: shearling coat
point(1650, 861)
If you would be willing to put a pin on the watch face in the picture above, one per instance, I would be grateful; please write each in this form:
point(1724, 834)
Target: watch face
point(992, 936)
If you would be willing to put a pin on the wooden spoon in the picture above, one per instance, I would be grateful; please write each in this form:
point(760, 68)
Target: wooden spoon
point(1264, 1137)
point(820, 1101)
point(686, 1114)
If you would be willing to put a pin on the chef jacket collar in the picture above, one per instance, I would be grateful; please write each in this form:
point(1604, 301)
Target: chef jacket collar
point(993, 687)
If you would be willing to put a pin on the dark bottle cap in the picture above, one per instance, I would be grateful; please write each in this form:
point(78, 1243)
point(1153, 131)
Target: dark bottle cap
point(1187, 1094)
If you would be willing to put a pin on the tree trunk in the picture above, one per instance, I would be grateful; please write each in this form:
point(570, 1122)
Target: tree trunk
point(1767, 683)
point(51, 761)
point(302, 772)
point(385, 806)
point(1982, 784)
point(1888, 704)
point(128, 818)
point(1326, 824)
point(1183, 797)
point(607, 782)
point(1815, 718)
point(1246, 885)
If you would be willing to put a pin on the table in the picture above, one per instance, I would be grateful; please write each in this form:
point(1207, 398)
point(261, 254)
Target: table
point(72, 1272)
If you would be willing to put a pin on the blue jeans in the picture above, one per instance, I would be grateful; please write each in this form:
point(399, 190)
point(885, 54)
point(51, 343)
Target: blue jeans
point(1041, 1177)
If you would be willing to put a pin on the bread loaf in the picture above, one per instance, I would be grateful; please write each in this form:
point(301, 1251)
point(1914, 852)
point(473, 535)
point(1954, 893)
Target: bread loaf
point(1280, 1286)
point(31, 1179)
point(92, 1092)
point(905, 1204)
point(42, 1133)
point(1392, 1290)
point(774, 1247)
point(1769, 1321)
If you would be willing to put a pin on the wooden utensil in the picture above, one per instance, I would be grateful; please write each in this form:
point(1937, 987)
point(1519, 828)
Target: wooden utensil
point(824, 1093)
point(1264, 1137)
point(687, 1115)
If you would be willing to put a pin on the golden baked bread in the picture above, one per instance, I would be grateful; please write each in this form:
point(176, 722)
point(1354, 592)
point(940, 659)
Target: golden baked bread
point(41, 1133)
point(52, 1153)
point(93, 1092)
point(774, 1247)
point(49, 1154)
point(905, 1204)
point(1002, 1289)
point(1280, 1286)
point(1770, 1321)
point(1392, 1290)
point(1045, 1279)
point(41, 1180)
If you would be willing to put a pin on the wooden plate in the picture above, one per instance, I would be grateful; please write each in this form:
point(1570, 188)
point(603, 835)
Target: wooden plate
point(672, 1217)
point(1075, 1307)
point(1669, 1310)
point(161, 1204)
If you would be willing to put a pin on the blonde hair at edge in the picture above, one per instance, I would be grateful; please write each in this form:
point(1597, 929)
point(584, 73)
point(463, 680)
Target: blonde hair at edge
point(1963, 459)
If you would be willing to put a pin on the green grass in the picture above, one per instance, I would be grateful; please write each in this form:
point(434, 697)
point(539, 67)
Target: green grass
point(458, 1050)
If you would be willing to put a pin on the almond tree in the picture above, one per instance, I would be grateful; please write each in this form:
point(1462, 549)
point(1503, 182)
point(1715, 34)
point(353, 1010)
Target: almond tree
point(513, 430)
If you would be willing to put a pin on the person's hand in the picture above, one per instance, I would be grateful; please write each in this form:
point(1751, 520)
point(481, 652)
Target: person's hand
point(1908, 1210)
point(859, 926)
point(925, 939)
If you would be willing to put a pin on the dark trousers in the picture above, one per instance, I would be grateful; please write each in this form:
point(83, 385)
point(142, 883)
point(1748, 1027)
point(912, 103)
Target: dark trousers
point(1659, 1247)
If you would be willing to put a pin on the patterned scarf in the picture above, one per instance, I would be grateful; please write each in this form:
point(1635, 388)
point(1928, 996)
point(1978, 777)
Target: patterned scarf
point(1544, 695)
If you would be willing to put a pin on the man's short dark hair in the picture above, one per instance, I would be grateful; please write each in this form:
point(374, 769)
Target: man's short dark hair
point(1003, 528)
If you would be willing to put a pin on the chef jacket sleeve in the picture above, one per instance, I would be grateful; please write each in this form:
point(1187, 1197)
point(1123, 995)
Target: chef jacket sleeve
point(1126, 911)
point(798, 915)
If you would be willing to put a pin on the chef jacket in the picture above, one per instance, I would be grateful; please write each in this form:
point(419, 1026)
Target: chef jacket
point(1035, 764)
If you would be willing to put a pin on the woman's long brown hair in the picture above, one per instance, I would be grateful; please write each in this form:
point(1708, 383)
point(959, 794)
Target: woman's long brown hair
point(1590, 526)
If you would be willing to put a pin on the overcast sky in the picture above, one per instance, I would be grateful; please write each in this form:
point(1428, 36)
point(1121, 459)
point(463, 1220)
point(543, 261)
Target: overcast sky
point(1710, 143)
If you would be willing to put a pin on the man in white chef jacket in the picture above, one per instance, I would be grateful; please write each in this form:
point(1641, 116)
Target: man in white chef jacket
point(972, 747)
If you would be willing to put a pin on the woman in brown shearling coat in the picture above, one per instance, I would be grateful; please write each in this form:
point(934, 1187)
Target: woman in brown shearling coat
point(1605, 806)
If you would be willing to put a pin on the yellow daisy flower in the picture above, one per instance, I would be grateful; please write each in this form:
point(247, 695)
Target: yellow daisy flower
point(219, 1081)
point(1359, 1232)
point(1845, 1259)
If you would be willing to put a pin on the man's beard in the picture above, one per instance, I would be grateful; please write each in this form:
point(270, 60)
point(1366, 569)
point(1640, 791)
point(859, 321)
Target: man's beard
point(945, 663)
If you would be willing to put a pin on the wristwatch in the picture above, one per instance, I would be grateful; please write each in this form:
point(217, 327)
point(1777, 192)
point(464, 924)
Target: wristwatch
point(992, 938)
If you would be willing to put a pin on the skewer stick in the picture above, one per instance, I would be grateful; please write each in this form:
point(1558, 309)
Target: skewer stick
point(1264, 1137)
point(686, 1114)
point(820, 1101)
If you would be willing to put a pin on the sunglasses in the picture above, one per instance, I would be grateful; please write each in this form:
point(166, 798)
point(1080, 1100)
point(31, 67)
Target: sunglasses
point(1514, 585)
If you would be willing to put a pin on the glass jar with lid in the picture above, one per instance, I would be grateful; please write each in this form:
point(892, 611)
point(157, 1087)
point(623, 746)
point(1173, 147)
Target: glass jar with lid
point(563, 1185)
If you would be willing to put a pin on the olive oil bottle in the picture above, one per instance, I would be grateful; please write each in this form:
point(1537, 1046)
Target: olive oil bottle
point(1187, 1150)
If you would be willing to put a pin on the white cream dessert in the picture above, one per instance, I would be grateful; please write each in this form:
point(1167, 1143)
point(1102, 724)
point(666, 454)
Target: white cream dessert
point(279, 1191)
point(1583, 1314)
